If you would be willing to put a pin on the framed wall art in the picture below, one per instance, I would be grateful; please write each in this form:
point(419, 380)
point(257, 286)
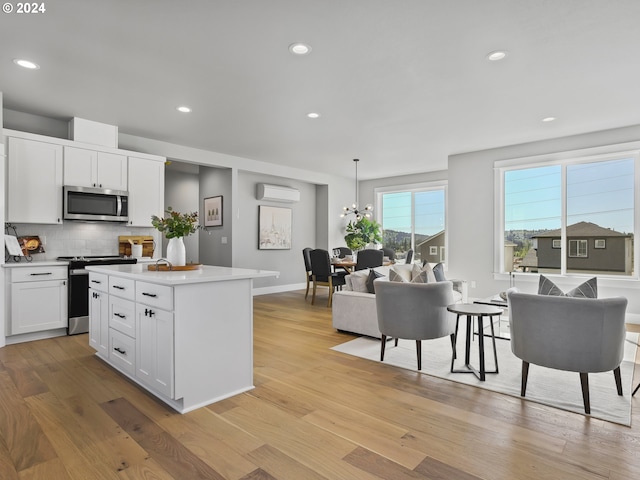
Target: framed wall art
point(213, 211)
point(274, 228)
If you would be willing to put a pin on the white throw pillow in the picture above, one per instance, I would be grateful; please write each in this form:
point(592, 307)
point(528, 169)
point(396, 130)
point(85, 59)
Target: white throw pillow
point(359, 281)
point(402, 272)
point(431, 277)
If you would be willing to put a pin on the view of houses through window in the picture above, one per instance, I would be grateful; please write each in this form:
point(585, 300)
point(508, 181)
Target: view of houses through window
point(594, 234)
point(414, 219)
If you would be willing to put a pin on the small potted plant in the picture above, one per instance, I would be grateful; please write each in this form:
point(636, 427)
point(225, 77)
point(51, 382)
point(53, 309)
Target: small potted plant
point(175, 226)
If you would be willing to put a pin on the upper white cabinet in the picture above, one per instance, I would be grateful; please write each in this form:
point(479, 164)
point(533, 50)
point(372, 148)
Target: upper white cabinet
point(34, 181)
point(146, 190)
point(90, 168)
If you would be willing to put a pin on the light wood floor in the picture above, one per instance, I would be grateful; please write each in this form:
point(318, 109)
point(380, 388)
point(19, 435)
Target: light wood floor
point(314, 414)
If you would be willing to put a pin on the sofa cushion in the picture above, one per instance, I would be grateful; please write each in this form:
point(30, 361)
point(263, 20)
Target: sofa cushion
point(588, 289)
point(372, 276)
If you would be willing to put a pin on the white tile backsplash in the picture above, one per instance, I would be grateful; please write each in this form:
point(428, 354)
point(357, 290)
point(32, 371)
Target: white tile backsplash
point(79, 238)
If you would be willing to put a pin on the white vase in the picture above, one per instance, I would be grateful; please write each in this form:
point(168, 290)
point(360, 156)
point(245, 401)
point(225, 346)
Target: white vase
point(176, 253)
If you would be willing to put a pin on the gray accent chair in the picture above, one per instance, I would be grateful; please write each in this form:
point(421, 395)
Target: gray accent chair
point(573, 334)
point(414, 311)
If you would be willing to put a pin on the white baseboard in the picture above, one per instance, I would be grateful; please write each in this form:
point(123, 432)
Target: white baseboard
point(279, 289)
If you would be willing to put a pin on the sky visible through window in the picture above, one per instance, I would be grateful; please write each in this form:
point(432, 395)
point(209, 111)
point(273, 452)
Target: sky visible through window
point(597, 192)
point(429, 212)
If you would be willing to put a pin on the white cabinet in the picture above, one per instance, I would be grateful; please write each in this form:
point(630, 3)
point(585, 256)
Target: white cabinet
point(38, 299)
point(146, 190)
point(90, 168)
point(99, 313)
point(154, 348)
point(34, 181)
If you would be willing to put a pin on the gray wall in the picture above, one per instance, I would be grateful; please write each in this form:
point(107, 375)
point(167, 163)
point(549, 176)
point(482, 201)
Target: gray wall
point(288, 262)
point(25, 122)
point(182, 193)
point(214, 182)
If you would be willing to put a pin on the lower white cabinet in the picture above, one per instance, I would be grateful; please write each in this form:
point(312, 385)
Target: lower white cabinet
point(154, 348)
point(99, 313)
point(38, 299)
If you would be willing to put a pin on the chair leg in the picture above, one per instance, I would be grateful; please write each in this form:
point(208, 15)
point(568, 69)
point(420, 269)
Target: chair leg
point(618, 377)
point(453, 344)
point(330, 293)
point(635, 390)
point(525, 375)
point(419, 351)
point(584, 381)
point(313, 297)
point(396, 344)
point(382, 345)
point(306, 294)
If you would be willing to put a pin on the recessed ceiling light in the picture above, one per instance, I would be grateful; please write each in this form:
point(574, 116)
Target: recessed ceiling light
point(548, 119)
point(313, 115)
point(183, 109)
point(299, 49)
point(497, 55)
point(26, 64)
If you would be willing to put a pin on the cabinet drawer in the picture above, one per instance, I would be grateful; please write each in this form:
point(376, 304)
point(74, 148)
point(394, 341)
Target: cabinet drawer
point(122, 287)
point(122, 351)
point(38, 274)
point(98, 281)
point(122, 315)
point(154, 295)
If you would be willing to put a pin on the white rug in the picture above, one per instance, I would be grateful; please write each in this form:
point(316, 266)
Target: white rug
point(547, 386)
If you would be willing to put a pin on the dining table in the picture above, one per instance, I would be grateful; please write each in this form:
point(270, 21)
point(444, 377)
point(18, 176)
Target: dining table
point(350, 265)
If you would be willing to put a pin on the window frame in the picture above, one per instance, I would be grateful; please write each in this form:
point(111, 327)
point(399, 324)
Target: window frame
point(414, 188)
point(578, 243)
point(564, 159)
point(602, 245)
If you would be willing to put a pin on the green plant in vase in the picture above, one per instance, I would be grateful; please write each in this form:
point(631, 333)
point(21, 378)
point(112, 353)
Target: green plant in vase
point(175, 226)
point(361, 233)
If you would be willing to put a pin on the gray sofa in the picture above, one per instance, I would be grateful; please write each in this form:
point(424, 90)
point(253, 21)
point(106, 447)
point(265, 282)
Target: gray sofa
point(354, 309)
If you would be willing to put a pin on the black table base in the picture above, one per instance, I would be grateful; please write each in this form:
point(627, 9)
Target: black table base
point(479, 372)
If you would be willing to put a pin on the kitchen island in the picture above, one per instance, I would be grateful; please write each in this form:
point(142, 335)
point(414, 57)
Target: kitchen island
point(185, 336)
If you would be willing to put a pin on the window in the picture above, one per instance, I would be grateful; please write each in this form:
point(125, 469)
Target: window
point(411, 216)
point(577, 248)
point(551, 212)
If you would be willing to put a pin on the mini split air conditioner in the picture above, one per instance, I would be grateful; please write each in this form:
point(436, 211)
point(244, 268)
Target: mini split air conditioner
point(277, 193)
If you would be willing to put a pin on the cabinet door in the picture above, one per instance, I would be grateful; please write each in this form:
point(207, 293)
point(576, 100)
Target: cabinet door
point(80, 167)
point(34, 182)
point(99, 322)
point(146, 191)
point(38, 306)
point(154, 348)
point(112, 171)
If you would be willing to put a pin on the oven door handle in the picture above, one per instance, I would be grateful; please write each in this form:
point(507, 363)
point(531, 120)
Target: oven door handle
point(78, 271)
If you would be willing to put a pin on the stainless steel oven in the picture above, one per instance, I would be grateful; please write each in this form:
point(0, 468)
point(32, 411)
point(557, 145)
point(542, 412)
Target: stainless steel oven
point(78, 288)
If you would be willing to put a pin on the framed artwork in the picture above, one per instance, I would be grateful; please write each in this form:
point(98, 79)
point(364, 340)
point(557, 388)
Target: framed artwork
point(274, 228)
point(213, 211)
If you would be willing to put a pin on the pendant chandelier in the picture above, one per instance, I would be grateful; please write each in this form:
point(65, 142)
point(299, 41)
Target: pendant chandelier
point(353, 209)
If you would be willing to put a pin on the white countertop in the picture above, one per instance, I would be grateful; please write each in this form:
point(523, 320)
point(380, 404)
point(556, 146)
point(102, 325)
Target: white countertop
point(35, 263)
point(207, 273)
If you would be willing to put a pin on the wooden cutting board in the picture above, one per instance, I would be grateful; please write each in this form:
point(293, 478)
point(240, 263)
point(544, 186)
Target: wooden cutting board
point(124, 247)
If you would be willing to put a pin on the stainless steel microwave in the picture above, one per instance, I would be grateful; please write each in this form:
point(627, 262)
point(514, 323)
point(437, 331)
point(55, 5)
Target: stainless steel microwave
point(95, 204)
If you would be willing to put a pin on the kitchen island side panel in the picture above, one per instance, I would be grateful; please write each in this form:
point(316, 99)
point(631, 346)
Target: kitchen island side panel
point(213, 341)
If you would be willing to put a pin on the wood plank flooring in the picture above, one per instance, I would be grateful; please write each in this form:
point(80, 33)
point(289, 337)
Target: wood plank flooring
point(314, 414)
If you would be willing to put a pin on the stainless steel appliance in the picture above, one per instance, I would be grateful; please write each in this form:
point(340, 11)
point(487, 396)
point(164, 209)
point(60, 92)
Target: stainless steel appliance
point(78, 289)
point(95, 204)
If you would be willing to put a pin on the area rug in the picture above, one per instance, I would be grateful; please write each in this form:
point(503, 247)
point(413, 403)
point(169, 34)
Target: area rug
point(545, 385)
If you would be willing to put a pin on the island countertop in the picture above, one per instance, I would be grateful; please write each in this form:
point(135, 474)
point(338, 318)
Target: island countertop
point(207, 273)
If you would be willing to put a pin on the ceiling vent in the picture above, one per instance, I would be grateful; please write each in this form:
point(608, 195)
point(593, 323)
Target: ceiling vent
point(277, 193)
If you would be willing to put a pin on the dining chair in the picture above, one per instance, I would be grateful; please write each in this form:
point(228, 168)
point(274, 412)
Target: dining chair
point(409, 257)
point(307, 267)
point(321, 274)
point(369, 258)
point(389, 252)
point(343, 251)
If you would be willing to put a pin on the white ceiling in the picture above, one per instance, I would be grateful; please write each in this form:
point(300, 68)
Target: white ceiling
point(400, 84)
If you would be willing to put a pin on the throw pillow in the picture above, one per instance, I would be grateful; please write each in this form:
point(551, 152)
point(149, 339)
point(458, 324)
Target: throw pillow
point(431, 278)
point(372, 276)
point(420, 278)
point(588, 289)
point(399, 273)
point(438, 271)
point(395, 276)
point(359, 281)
